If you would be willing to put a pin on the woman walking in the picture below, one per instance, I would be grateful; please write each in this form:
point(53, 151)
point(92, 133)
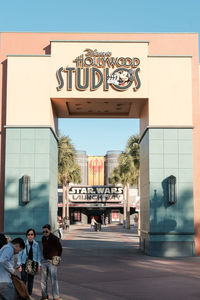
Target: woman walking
point(30, 255)
point(93, 224)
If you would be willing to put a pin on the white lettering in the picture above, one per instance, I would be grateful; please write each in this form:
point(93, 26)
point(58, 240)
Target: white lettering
point(91, 191)
point(107, 190)
point(73, 191)
point(114, 190)
point(100, 190)
point(120, 190)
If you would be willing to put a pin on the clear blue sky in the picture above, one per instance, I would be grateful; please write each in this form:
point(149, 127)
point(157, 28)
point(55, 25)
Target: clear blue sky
point(97, 136)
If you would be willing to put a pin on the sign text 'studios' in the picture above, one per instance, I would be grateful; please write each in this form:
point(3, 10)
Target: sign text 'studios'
point(94, 69)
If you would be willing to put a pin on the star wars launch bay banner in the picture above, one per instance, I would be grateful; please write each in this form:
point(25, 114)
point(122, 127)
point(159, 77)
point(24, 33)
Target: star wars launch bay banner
point(95, 194)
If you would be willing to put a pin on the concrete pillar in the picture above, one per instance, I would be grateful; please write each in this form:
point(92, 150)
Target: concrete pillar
point(32, 152)
point(167, 229)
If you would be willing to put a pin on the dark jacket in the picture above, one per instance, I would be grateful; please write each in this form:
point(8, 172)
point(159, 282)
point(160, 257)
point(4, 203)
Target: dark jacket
point(51, 246)
point(3, 240)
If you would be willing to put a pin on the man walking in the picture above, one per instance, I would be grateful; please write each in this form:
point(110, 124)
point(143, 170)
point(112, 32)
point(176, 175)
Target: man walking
point(52, 249)
point(7, 290)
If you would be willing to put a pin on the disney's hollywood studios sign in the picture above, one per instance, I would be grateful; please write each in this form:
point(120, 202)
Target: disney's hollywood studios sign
point(94, 69)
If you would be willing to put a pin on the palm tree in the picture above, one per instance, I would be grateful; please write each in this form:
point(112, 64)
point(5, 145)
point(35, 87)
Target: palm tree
point(128, 174)
point(68, 169)
point(133, 148)
point(125, 174)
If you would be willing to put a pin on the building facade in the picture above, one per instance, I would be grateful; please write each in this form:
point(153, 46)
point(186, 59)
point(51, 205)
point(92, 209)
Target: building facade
point(95, 197)
point(150, 76)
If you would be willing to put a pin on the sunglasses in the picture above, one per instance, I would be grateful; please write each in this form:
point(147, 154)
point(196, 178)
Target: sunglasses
point(45, 231)
point(30, 234)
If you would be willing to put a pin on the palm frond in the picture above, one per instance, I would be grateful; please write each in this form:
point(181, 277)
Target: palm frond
point(67, 165)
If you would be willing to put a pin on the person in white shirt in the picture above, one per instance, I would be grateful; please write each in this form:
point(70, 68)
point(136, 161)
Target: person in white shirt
point(93, 223)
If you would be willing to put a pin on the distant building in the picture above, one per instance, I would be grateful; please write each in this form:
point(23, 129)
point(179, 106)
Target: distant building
point(95, 196)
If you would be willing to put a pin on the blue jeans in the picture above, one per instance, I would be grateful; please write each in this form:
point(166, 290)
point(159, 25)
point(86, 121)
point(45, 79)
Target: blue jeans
point(92, 227)
point(48, 269)
point(7, 291)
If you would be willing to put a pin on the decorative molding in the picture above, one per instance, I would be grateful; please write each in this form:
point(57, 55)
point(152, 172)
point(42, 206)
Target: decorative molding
point(181, 56)
point(28, 55)
point(96, 41)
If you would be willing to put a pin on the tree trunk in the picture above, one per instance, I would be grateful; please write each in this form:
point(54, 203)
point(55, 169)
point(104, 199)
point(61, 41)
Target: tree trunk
point(139, 204)
point(138, 182)
point(67, 200)
point(124, 198)
point(128, 208)
point(64, 196)
point(139, 233)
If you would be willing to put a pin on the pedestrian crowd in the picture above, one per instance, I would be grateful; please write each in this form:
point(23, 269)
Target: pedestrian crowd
point(63, 223)
point(28, 263)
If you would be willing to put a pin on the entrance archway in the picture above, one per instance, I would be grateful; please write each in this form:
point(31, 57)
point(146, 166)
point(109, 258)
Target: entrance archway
point(148, 76)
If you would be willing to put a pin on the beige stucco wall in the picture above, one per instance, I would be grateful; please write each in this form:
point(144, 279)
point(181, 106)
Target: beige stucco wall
point(165, 81)
point(170, 91)
point(199, 77)
point(28, 91)
point(144, 117)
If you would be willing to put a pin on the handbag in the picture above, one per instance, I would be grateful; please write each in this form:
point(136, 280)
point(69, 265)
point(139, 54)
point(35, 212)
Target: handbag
point(56, 260)
point(31, 266)
point(20, 287)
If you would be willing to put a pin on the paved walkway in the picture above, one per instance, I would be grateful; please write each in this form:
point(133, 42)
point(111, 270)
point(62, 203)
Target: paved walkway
point(108, 265)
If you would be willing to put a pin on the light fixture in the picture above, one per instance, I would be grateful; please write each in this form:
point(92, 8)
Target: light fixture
point(172, 189)
point(25, 189)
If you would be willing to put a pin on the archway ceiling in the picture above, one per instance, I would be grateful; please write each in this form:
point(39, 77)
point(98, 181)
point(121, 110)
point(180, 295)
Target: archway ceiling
point(97, 108)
